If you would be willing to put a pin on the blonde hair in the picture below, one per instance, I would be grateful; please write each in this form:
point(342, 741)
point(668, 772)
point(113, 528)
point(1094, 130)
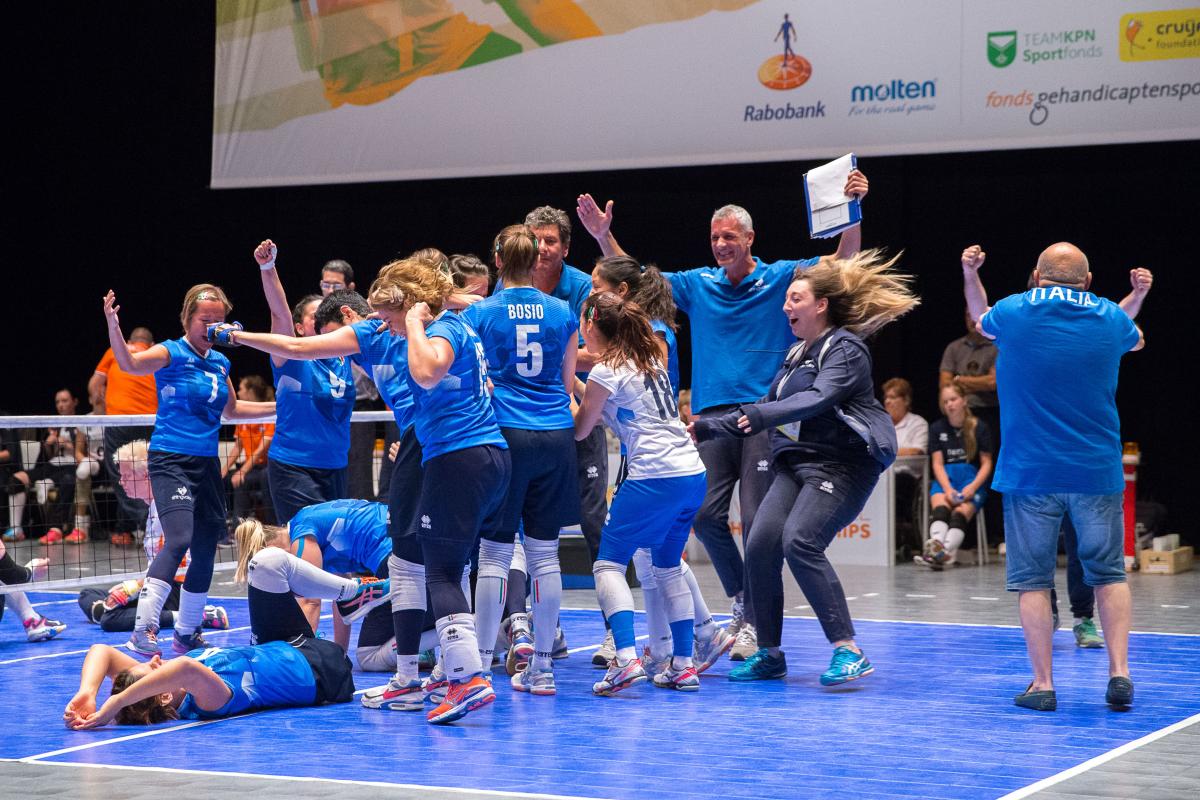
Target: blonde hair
point(970, 422)
point(199, 293)
point(433, 257)
point(135, 453)
point(864, 293)
point(403, 283)
point(252, 536)
point(516, 252)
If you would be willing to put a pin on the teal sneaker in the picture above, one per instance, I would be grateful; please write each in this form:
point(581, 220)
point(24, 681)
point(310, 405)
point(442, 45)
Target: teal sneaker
point(846, 665)
point(1086, 634)
point(761, 666)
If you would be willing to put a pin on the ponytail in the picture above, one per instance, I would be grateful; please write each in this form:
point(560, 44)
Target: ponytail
point(627, 330)
point(252, 536)
point(970, 443)
point(516, 251)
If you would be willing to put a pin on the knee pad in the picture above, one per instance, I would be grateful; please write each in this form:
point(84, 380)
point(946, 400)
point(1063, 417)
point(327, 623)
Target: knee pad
point(611, 588)
point(268, 570)
point(377, 658)
point(957, 520)
point(543, 557)
point(939, 514)
point(644, 568)
point(408, 584)
point(518, 559)
point(677, 599)
point(494, 559)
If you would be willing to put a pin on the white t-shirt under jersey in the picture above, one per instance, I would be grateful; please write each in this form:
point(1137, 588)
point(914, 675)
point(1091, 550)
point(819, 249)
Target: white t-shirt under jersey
point(641, 410)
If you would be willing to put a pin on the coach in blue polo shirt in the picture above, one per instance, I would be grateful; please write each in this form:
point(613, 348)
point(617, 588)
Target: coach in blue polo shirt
point(738, 340)
point(1060, 351)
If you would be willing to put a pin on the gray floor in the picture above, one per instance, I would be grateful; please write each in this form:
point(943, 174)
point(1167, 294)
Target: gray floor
point(1166, 768)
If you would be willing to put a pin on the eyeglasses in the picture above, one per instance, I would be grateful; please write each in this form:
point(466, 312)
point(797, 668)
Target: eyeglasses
point(332, 286)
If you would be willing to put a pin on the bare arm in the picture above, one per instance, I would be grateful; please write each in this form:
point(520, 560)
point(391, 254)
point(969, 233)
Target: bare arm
point(206, 688)
point(938, 464)
point(234, 452)
point(568, 369)
point(850, 242)
point(590, 410)
point(599, 224)
point(977, 302)
point(245, 409)
point(977, 383)
point(341, 342)
point(146, 362)
point(1141, 279)
point(428, 359)
point(281, 313)
point(97, 385)
point(981, 477)
point(101, 662)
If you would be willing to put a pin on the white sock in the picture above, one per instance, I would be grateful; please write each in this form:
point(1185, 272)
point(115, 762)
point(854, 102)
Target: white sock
point(151, 599)
point(681, 662)
point(660, 642)
point(546, 576)
point(460, 648)
point(191, 611)
point(16, 509)
point(954, 538)
point(406, 669)
point(626, 654)
point(703, 617)
point(21, 603)
point(937, 530)
point(83, 522)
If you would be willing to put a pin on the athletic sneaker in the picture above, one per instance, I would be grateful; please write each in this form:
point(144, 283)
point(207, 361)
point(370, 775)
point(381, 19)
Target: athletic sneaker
point(745, 644)
point(461, 699)
point(214, 618)
point(14, 535)
point(606, 653)
point(39, 628)
point(145, 642)
point(53, 536)
point(846, 665)
point(521, 649)
point(434, 687)
point(426, 659)
point(38, 567)
point(371, 592)
point(620, 677)
point(760, 666)
point(653, 665)
point(683, 680)
point(121, 540)
point(559, 651)
point(1086, 634)
point(185, 644)
point(395, 696)
point(708, 651)
point(535, 681)
point(76, 536)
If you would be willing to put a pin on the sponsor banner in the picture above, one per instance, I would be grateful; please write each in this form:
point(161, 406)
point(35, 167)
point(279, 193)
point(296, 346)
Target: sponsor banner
point(321, 91)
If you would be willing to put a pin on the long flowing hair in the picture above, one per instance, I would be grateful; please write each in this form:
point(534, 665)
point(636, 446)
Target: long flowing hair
point(864, 291)
point(970, 422)
point(627, 329)
point(647, 286)
point(252, 536)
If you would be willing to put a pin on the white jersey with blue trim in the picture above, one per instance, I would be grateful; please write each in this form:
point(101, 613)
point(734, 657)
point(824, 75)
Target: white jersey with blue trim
point(641, 410)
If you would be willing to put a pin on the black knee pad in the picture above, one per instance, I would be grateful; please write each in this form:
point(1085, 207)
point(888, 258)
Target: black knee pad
point(939, 514)
point(957, 520)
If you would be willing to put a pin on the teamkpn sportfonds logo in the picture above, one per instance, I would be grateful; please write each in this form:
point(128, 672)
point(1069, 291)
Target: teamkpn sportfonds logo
point(1041, 47)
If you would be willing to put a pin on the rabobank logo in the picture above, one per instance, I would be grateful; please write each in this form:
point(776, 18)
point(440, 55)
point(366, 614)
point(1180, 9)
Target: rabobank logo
point(897, 96)
point(783, 72)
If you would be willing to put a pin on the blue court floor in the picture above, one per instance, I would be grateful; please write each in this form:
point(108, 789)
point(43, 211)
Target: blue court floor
point(936, 720)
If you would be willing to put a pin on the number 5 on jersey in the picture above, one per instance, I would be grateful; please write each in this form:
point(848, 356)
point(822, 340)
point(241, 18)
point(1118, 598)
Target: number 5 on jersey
point(531, 349)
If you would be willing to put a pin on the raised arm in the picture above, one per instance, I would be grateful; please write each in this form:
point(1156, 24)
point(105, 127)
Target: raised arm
point(146, 362)
point(977, 302)
point(1141, 279)
point(428, 359)
point(850, 242)
point(281, 313)
point(598, 223)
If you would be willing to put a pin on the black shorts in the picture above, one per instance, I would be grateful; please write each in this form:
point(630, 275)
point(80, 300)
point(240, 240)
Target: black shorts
point(404, 495)
point(191, 482)
point(293, 488)
point(544, 490)
point(331, 669)
point(462, 493)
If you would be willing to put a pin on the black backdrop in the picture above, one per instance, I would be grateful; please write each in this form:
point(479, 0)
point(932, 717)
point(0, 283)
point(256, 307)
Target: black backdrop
point(113, 192)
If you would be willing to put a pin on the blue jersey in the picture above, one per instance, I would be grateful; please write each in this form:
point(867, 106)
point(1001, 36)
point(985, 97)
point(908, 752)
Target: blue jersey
point(573, 288)
point(313, 403)
point(352, 534)
point(739, 333)
point(387, 357)
point(259, 676)
point(457, 412)
point(526, 335)
point(192, 392)
point(1060, 351)
point(663, 330)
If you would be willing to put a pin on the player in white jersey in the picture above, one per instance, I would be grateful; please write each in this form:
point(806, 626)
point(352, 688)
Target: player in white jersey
point(663, 489)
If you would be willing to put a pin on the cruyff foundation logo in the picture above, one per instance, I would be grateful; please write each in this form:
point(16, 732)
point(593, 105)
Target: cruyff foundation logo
point(1160, 35)
point(788, 70)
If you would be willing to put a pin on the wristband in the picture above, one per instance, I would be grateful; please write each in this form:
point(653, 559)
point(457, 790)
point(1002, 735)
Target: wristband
point(267, 266)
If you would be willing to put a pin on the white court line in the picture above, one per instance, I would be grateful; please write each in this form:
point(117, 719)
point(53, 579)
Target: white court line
point(1091, 763)
point(142, 735)
point(922, 596)
point(59, 602)
point(44, 655)
point(985, 598)
point(296, 778)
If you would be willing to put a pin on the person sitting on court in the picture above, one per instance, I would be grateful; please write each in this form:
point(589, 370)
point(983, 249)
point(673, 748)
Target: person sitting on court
point(37, 627)
point(963, 455)
point(286, 666)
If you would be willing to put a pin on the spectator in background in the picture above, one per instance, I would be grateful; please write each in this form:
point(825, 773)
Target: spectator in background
point(55, 469)
point(912, 436)
point(337, 275)
point(963, 453)
point(970, 364)
point(248, 481)
point(11, 463)
point(90, 443)
point(124, 394)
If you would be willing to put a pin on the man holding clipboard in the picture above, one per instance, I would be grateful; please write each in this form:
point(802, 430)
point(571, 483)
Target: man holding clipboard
point(738, 340)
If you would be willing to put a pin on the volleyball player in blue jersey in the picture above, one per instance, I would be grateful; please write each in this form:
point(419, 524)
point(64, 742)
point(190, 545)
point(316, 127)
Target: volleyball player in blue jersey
point(194, 390)
point(286, 666)
point(462, 447)
point(306, 463)
point(529, 343)
point(656, 503)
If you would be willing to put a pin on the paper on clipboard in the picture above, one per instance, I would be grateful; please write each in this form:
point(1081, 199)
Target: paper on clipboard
point(830, 210)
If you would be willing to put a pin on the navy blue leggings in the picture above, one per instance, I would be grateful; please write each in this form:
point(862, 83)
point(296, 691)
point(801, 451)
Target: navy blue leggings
point(190, 499)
